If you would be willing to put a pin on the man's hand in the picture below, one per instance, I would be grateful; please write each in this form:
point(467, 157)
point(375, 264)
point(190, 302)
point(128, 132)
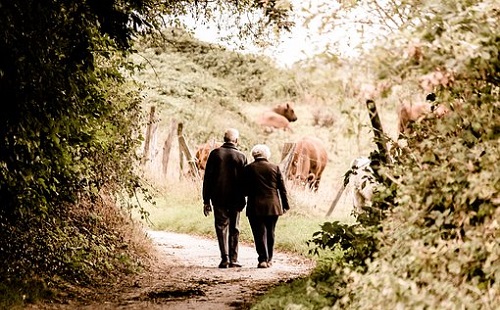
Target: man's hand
point(207, 208)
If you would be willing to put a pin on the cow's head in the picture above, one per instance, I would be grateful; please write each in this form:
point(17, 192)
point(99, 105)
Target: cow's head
point(286, 109)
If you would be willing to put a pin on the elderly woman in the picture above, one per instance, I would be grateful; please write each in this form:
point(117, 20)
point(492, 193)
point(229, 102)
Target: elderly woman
point(267, 200)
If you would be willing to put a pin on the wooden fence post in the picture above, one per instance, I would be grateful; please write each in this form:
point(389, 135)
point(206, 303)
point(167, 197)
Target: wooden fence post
point(184, 151)
point(167, 146)
point(286, 157)
point(378, 131)
point(149, 131)
point(336, 199)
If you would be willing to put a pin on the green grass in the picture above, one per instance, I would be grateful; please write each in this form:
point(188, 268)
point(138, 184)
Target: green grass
point(294, 295)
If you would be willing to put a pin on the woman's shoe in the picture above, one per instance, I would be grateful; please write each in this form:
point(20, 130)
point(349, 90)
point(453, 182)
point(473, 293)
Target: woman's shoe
point(234, 264)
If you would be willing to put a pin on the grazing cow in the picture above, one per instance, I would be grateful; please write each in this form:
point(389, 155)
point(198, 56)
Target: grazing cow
point(360, 182)
point(202, 153)
point(278, 118)
point(360, 178)
point(308, 162)
point(415, 112)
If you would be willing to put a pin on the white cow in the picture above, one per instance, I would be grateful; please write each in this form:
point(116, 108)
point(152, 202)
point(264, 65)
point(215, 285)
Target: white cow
point(362, 181)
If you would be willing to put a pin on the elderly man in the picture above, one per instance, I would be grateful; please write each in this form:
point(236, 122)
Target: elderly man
point(267, 200)
point(223, 187)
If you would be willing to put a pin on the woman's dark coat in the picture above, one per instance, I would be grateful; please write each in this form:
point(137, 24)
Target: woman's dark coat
point(265, 189)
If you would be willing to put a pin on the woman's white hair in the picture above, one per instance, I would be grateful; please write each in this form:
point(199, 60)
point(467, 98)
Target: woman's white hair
point(262, 151)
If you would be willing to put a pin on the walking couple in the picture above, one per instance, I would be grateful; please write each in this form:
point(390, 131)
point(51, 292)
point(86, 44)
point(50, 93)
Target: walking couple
point(228, 180)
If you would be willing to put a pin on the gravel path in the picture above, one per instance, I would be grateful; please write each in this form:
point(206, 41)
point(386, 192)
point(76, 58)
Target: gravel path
point(185, 276)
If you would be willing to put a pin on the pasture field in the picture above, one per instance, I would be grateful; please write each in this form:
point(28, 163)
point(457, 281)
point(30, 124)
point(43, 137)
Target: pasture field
point(182, 91)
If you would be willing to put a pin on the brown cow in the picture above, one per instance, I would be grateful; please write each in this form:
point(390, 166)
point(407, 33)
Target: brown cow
point(201, 155)
point(278, 118)
point(409, 112)
point(308, 162)
point(435, 80)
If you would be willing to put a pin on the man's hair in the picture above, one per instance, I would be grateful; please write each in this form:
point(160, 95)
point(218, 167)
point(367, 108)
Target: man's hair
point(261, 151)
point(231, 135)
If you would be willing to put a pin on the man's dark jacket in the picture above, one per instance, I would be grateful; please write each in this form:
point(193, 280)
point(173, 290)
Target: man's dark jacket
point(223, 180)
point(265, 189)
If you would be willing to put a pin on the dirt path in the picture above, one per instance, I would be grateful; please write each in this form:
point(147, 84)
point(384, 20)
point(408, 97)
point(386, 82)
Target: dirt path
point(185, 276)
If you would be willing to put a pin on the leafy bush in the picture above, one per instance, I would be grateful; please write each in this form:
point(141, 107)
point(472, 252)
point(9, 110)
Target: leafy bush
point(441, 241)
point(434, 227)
point(356, 245)
point(67, 140)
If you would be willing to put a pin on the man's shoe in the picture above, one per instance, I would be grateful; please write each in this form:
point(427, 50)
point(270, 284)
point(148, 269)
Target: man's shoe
point(262, 265)
point(234, 265)
point(269, 263)
point(224, 264)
